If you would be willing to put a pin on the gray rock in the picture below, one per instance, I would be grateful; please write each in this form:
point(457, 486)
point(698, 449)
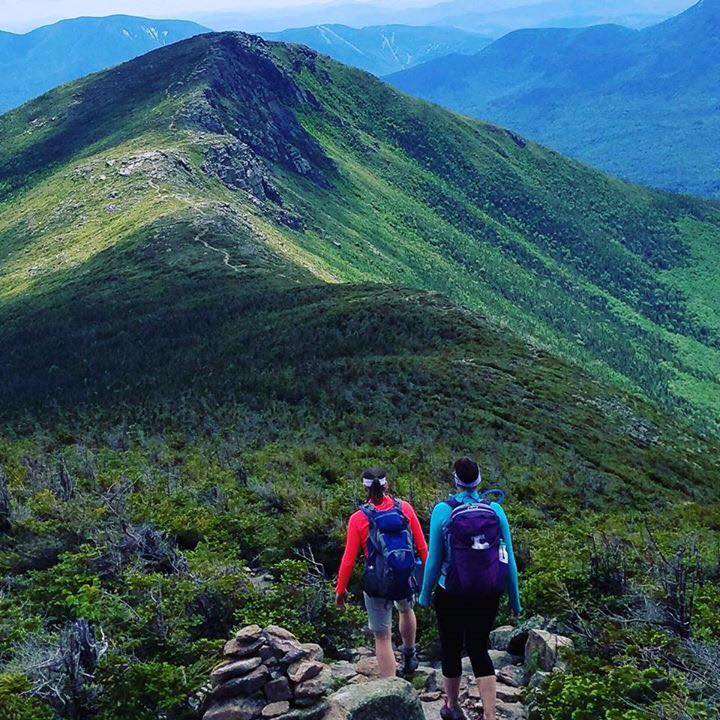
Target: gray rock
point(511, 711)
point(276, 708)
point(518, 638)
point(277, 690)
point(500, 637)
point(509, 694)
point(239, 649)
point(246, 685)
point(538, 679)
point(230, 670)
point(543, 649)
point(243, 709)
point(343, 670)
point(249, 633)
point(279, 632)
point(292, 655)
point(310, 691)
point(500, 658)
point(314, 651)
point(376, 700)
point(513, 675)
point(317, 712)
point(303, 670)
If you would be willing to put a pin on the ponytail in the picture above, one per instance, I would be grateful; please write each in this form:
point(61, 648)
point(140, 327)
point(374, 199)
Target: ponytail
point(375, 482)
point(376, 492)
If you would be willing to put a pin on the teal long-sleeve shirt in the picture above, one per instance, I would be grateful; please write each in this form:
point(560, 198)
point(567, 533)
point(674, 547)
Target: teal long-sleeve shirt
point(439, 549)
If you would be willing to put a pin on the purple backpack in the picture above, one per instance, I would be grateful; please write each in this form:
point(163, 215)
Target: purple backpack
point(478, 559)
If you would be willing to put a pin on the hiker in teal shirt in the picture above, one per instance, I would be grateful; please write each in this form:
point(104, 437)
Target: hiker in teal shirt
point(464, 623)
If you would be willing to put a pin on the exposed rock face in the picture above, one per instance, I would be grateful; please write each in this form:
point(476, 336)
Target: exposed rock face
point(251, 97)
point(238, 167)
point(376, 700)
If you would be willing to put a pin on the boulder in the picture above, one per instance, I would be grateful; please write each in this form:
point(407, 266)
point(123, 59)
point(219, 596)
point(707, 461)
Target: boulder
point(513, 675)
point(543, 649)
point(288, 652)
point(278, 632)
point(317, 712)
point(508, 693)
point(278, 690)
point(276, 708)
point(303, 670)
point(343, 670)
point(519, 636)
point(376, 700)
point(249, 634)
point(242, 709)
point(500, 637)
point(511, 711)
point(314, 651)
point(239, 649)
point(246, 685)
point(367, 666)
point(538, 679)
point(310, 691)
point(500, 658)
point(230, 670)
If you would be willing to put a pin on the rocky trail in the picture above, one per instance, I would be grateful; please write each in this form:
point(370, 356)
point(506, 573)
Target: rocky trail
point(268, 673)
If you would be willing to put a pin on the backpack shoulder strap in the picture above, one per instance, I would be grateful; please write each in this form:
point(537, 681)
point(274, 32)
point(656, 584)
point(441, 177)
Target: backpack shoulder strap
point(453, 502)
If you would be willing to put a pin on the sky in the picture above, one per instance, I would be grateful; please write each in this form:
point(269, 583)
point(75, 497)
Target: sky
point(22, 15)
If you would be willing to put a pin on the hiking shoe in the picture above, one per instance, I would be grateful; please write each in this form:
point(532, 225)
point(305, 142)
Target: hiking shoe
point(410, 660)
point(455, 713)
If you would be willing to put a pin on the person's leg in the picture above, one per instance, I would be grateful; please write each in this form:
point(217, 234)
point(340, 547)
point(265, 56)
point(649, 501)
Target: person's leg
point(408, 633)
point(408, 625)
point(385, 654)
point(451, 646)
point(477, 638)
point(380, 623)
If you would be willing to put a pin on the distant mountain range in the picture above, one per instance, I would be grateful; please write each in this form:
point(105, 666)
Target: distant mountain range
point(384, 49)
point(491, 17)
point(642, 105)
point(33, 63)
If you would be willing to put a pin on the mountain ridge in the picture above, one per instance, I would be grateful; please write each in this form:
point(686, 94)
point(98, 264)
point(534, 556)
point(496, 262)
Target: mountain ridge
point(634, 103)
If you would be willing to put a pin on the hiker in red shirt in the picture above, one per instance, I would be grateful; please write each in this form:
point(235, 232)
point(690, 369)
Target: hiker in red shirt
point(389, 533)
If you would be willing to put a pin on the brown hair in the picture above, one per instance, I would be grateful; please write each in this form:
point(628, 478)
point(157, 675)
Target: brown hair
point(376, 492)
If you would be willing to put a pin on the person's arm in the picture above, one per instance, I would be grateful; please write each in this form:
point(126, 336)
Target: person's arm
point(433, 566)
point(417, 533)
point(512, 576)
point(353, 544)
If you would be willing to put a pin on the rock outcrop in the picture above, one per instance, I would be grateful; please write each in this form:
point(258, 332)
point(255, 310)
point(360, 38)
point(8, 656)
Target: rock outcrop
point(377, 700)
point(268, 673)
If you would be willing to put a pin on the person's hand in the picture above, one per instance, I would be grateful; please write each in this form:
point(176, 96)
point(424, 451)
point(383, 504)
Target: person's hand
point(340, 599)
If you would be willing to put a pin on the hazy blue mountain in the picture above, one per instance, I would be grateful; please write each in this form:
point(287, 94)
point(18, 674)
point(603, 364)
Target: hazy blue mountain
point(383, 49)
point(640, 104)
point(37, 61)
point(496, 17)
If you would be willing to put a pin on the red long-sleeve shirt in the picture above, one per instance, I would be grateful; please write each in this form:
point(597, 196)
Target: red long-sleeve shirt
point(357, 538)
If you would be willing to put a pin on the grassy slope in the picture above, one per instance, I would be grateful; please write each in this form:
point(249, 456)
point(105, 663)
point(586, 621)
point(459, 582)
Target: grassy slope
point(591, 267)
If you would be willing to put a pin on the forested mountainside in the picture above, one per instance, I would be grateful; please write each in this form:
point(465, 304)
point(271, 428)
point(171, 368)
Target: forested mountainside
point(37, 61)
point(233, 273)
point(637, 104)
point(383, 49)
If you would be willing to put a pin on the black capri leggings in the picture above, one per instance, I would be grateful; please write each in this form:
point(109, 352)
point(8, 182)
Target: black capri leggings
point(465, 624)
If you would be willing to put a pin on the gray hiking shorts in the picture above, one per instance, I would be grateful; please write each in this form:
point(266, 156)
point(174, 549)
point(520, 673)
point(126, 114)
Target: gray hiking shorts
point(380, 612)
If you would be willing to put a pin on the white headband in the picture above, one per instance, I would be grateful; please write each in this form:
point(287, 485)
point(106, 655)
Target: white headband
point(460, 483)
point(368, 482)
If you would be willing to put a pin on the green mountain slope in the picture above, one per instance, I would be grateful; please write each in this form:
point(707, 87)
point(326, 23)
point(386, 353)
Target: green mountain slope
point(383, 49)
point(351, 181)
point(637, 104)
point(35, 62)
point(219, 276)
